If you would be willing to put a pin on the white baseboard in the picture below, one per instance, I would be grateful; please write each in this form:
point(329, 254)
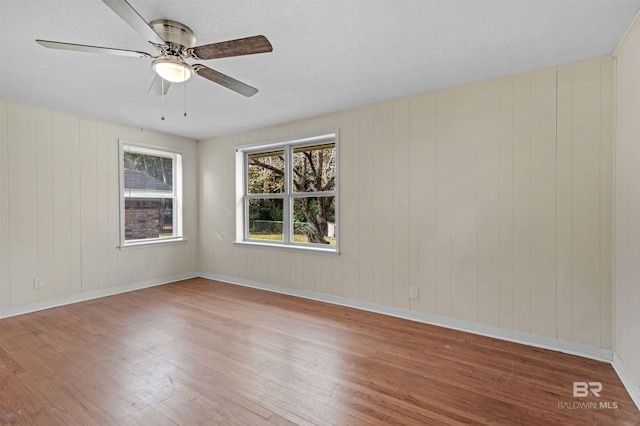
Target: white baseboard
point(625, 377)
point(38, 306)
point(585, 351)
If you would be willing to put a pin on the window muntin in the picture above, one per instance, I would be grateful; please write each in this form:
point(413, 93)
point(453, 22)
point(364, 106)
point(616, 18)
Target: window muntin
point(290, 193)
point(150, 194)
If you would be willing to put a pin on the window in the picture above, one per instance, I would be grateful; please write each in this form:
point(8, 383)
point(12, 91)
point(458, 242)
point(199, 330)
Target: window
point(150, 194)
point(288, 193)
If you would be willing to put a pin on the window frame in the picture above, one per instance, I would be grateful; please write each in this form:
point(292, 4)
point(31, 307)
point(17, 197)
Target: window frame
point(176, 196)
point(288, 196)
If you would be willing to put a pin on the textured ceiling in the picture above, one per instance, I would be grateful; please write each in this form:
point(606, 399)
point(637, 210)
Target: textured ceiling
point(327, 55)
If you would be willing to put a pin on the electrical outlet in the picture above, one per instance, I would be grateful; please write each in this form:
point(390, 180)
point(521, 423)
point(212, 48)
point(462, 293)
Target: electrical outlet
point(38, 282)
point(413, 292)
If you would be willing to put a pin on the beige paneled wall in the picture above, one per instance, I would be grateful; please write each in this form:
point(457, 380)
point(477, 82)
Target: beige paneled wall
point(627, 209)
point(494, 199)
point(59, 214)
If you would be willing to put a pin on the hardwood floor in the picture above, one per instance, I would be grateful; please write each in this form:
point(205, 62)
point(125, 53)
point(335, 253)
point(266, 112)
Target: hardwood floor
point(204, 352)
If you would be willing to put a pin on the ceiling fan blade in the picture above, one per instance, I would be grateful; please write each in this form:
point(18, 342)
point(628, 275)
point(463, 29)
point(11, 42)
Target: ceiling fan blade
point(224, 80)
point(159, 86)
point(135, 21)
point(92, 49)
point(225, 49)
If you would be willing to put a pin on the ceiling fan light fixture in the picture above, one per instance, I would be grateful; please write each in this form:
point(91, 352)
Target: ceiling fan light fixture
point(172, 70)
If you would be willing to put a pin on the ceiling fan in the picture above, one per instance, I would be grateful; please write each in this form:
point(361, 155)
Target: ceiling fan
point(175, 43)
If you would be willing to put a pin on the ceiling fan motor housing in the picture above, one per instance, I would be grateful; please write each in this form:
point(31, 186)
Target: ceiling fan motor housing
point(176, 35)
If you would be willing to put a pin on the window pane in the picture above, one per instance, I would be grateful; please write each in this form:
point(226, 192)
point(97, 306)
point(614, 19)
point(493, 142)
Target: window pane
point(144, 173)
point(265, 219)
point(314, 168)
point(147, 218)
point(166, 219)
point(314, 220)
point(265, 174)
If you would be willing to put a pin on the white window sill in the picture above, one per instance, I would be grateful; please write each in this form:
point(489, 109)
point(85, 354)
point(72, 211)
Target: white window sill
point(162, 241)
point(333, 250)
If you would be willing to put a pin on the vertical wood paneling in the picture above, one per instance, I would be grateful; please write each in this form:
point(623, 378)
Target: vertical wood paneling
point(349, 188)
point(416, 141)
point(625, 191)
point(464, 285)
point(89, 205)
point(102, 205)
point(443, 203)
point(23, 203)
point(309, 272)
point(139, 265)
point(629, 295)
point(607, 171)
point(44, 173)
point(564, 207)
point(423, 211)
point(61, 181)
point(543, 203)
point(190, 211)
point(163, 263)
point(112, 196)
point(254, 266)
point(190, 188)
point(428, 221)
point(284, 266)
point(75, 206)
point(385, 217)
point(379, 203)
point(270, 267)
point(586, 204)
point(218, 223)
point(521, 204)
point(323, 278)
point(364, 208)
point(627, 212)
point(5, 246)
point(299, 274)
point(400, 200)
point(506, 204)
point(488, 201)
point(211, 188)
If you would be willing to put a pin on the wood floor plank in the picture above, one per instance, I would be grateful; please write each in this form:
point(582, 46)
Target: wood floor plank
point(204, 352)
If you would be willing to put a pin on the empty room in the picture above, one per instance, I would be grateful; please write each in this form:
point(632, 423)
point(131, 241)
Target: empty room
point(329, 212)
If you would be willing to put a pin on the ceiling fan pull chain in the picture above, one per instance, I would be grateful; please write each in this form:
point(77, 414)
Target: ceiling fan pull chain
point(185, 97)
point(162, 101)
